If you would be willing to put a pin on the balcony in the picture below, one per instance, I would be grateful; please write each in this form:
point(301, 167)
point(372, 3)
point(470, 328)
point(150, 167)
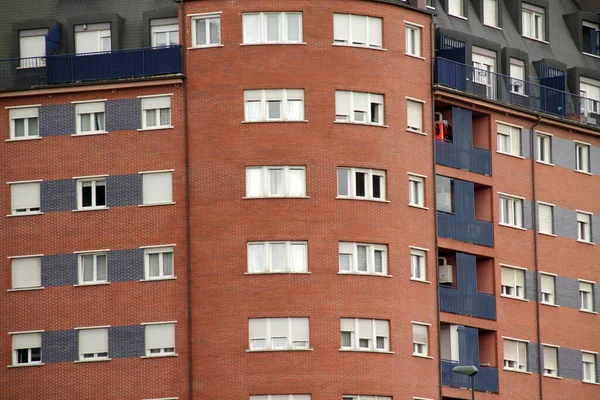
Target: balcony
point(25, 73)
point(504, 89)
point(470, 231)
point(486, 379)
point(473, 159)
point(474, 304)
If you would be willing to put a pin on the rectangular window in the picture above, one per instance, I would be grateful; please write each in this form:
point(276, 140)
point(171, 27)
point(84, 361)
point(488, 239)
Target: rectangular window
point(32, 48)
point(413, 40)
point(164, 32)
point(511, 211)
point(91, 193)
point(284, 27)
point(420, 339)
point(358, 107)
point(590, 38)
point(93, 268)
point(281, 397)
point(418, 264)
point(586, 293)
point(484, 68)
point(156, 112)
point(275, 182)
point(158, 263)
point(157, 187)
point(24, 123)
point(274, 105)
point(364, 397)
point(513, 282)
point(90, 117)
point(589, 366)
point(278, 333)
point(550, 360)
point(277, 257)
point(159, 339)
point(92, 38)
point(26, 272)
point(362, 184)
point(490, 12)
point(362, 258)
point(517, 75)
point(365, 334)
point(582, 157)
point(509, 140)
point(515, 355)
point(27, 348)
point(548, 289)
point(584, 227)
point(357, 30)
point(546, 218)
point(533, 21)
point(456, 8)
point(444, 190)
point(544, 148)
point(206, 30)
point(25, 198)
point(414, 114)
point(589, 90)
point(93, 344)
point(416, 191)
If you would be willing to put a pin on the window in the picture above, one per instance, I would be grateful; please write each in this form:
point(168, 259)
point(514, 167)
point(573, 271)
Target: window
point(164, 31)
point(550, 360)
point(362, 258)
point(24, 123)
point(544, 148)
point(357, 30)
point(92, 268)
point(456, 8)
point(589, 366)
point(90, 117)
point(275, 182)
point(92, 38)
point(32, 48)
point(511, 211)
point(159, 339)
point(25, 198)
point(363, 397)
point(513, 282)
point(584, 228)
point(284, 27)
point(582, 157)
point(484, 68)
point(279, 333)
point(586, 293)
point(414, 114)
point(509, 140)
point(274, 257)
point(418, 264)
point(158, 262)
point(533, 21)
point(548, 289)
point(416, 191)
point(444, 189)
point(413, 40)
point(206, 31)
point(590, 38)
point(365, 184)
point(358, 107)
point(281, 397)
point(517, 75)
point(156, 112)
point(93, 344)
point(589, 90)
point(27, 348)
point(430, 4)
point(365, 334)
point(546, 218)
point(420, 339)
point(515, 355)
point(26, 272)
point(91, 193)
point(157, 188)
point(490, 12)
point(274, 105)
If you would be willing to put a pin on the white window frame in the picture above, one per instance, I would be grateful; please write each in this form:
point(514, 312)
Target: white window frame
point(591, 376)
point(156, 105)
point(168, 26)
point(34, 267)
point(551, 371)
point(34, 207)
point(159, 351)
point(484, 69)
point(370, 249)
point(421, 349)
point(365, 397)
point(517, 75)
point(351, 184)
point(584, 226)
point(288, 396)
point(208, 17)
point(512, 214)
point(80, 267)
point(418, 264)
point(285, 97)
point(282, 28)
point(544, 148)
point(533, 17)
point(414, 115)
point(548, 294)
point(594, 27)
point(265, 182)
point(413, 40)
point(589, 90)
point(550, 208)
point(416, 190)
point(32, 59)
point(15, 351)
point(161, 251)
point(267, 253)
point(96, 181)
point(372, 99)
point(373, 340)
point(519, 365)
point(512, 289)
point(456, 8)
point(348, 41)
point(98, 115)
point(102, 32)
point(290, 342)
point(587, 295)
point(486, 13)
point(509, 139)
point(582, 157)
point(96, 356)
point(29, 115)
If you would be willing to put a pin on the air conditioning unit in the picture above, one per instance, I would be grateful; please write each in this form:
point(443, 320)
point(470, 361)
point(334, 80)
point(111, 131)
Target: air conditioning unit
point(444, 271)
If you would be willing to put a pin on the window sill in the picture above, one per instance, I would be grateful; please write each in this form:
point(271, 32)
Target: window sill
point(493, 27)
point(358, 47)
point(415, 56)
point(431, 8)
point(422, 356)
point(552, 376)
point(277, 273)
point(516, 370)
point(514, 298)
point(535, 39)
point(583, 172)
point(366, 351)
point(547, 234)
point(25, 289)
point(25, 214)
point(588, 312)
point(161, 356)
point(92, 360)
point(416, 131)
point(361, 199)
point(549, 304)
point(208, 46)
point(23, 139)
point(272, 350)
point(509, 154)
point(272, 43)
point(590, 55)
point(90, 133)
point(366, 274)
point(361, 124)
point(166, 278)
point(275, 198)
point(419, 207)
point(586, 242)
point(91, 209)
point(459, 17)
point(26, 365)
point(591, 383)
point(158, 128)
point(512, 226)
point(519, 94)
point(420, 280)
point(545, 163)
point(157, 204)
point(91, 284)
point(275, 121)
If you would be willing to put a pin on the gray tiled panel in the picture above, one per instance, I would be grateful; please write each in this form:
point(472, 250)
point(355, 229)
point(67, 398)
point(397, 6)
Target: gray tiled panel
point(57, 120)
point(533, 358)
point(527, 214)
point(124, 190)
point(59, 270)
point(526, 143)
point(59, 195)
point(123, 114)
point(59, 346)
point(570, 364)
point(530, 285)
point(567, 292)
point(126, 341)
point(563, 152)
point(565, 222)
point(125, 265)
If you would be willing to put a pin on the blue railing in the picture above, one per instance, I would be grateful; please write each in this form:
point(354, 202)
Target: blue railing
point(473, 159)
point(486, 379)
point(474, 304)
point(476, 232)
point(23, 73)
point(502, 88)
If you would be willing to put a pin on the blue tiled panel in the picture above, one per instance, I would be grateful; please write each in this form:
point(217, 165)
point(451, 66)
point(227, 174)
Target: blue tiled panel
point(59, 270)
point(123, 114)
point(124, 190)
point(125, 265)
point(59, 195)
point(57, 120)
point(126, 341)
point(59, 346)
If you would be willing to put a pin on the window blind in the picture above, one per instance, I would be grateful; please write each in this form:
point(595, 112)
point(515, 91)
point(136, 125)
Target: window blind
point(93, 341)
point(25, 195)
point(30, 112)
point(546, 220)
point(257, 328)
point(342, 102)
point(419, 333)
point(157, 188)
point(547, 284)
point(375, 32)
point(300, 329)
point(510, 350)
point(490, 12)
point(87, 108)
point(550, 358)
point(415, 115)
point(347, 324)
point(341, 27)
point(26, 272)
point(26, 341)
point(382, 328)
point(359, 28)
point(365, 329)
point(160, 336)
point(150, 103)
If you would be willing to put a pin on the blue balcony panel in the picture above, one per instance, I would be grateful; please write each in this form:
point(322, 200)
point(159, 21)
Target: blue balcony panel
point(473, 159)
point(486, 379)
point(470, 231)
point(476, 304)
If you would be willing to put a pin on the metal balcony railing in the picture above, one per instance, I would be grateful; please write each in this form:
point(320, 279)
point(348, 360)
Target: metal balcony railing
point(470, 231)
point(486, 379)
point(502, 88)
point(465, 302)
point(474, 159)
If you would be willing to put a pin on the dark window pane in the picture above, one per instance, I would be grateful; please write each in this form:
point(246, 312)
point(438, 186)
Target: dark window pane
point(100, 195)
point(36, 354)
point(86, 196)
point(22, 356)
point(360, 184)
point(376, 187)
